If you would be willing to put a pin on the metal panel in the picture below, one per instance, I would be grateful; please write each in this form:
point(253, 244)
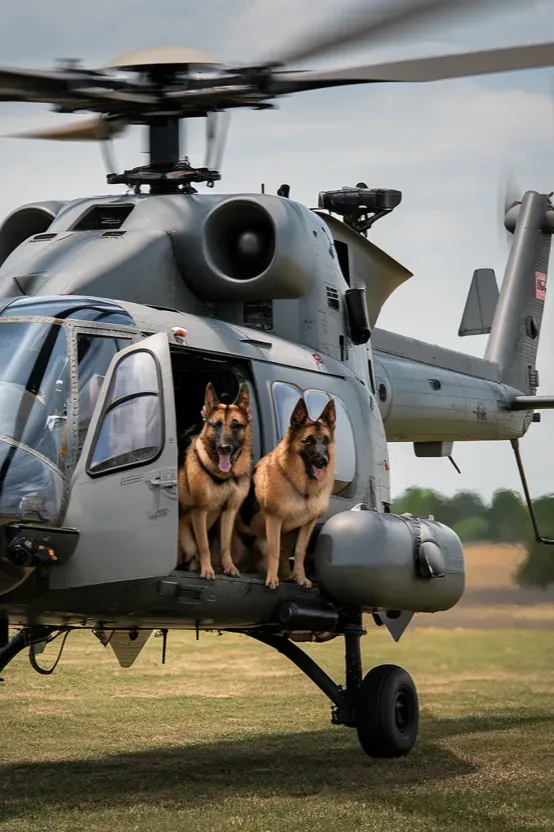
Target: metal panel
point(415, 350)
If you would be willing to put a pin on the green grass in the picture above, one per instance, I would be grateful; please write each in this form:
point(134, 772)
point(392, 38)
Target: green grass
point(229, 736)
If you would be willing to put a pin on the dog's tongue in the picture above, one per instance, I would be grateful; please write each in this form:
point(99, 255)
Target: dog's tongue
point(224, 462)
point(319, 473)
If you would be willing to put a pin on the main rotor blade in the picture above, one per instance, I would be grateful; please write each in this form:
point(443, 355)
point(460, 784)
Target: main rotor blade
point(70, 87)
point(420, 69)
point(92, 129)
point(366, 24)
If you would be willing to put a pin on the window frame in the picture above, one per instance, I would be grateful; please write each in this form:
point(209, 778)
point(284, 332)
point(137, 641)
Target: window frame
point(111, 405)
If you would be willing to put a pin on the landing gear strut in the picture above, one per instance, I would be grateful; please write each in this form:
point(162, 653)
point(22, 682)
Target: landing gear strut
point(382, 706)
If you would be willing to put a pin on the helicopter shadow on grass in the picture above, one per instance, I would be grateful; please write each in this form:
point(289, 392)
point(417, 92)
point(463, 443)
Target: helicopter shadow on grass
point(310, 764)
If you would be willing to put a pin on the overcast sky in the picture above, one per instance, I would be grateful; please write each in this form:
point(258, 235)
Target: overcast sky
point(444, 145)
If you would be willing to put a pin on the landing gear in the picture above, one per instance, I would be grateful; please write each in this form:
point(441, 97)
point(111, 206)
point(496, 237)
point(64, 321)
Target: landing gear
point(382, 706)
point(387, 712)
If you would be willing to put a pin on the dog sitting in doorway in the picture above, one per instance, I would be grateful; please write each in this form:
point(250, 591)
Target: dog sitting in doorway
point(290, 491)
point(214, 480)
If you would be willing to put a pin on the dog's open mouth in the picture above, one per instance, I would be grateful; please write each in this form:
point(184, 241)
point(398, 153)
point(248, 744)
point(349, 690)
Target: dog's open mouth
point(319, 473)
point(224, 462)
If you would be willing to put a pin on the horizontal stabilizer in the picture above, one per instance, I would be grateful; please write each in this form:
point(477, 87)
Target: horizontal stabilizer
point(532, 403)
point(480, 304)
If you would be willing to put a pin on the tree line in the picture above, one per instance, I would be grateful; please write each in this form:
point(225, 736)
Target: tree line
point(504, 520)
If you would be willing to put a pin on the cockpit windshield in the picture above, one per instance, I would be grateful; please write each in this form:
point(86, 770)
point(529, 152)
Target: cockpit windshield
point(34, 392)
point(34, 385)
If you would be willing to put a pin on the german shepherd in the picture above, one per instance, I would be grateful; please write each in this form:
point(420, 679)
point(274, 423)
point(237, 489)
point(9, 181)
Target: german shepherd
point(214, 480)
point(290, 490)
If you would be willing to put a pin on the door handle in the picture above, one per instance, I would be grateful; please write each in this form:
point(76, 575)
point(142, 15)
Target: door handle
point(163, 479)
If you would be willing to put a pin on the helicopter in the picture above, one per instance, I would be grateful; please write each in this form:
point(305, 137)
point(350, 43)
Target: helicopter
point(116, 311)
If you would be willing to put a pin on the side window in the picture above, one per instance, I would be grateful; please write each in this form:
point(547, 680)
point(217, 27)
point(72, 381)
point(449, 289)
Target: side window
point(94, 354)
point(131, 427)
point(285, 398)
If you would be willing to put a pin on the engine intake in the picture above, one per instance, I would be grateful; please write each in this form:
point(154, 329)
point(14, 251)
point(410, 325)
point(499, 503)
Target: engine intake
point(240, 240)
point(25, 222)
point(248, 248)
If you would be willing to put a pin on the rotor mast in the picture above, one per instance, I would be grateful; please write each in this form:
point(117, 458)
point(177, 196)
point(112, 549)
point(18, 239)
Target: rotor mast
point(164, 141)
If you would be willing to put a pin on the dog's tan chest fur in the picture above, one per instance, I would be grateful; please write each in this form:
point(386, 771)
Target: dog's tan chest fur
point(278, 496)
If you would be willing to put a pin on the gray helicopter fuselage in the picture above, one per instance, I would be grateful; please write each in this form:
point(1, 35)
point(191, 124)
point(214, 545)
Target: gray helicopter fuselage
point(171, 251)
point(230, 289)
point(127, 522)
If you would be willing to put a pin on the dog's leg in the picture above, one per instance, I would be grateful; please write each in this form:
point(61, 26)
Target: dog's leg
point(199, 519)
point(227, 523)
point(300, 554)
point(273, 536)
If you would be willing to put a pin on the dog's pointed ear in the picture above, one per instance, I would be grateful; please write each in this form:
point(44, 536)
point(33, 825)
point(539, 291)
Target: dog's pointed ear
point(243, 399)
point(329, 414)
point(299, 415)
point(210, 401)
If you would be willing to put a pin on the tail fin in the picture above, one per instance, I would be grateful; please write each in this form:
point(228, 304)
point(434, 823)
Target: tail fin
point(515, 331)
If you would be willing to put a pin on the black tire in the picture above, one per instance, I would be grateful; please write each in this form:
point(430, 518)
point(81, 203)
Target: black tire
point(387, 712)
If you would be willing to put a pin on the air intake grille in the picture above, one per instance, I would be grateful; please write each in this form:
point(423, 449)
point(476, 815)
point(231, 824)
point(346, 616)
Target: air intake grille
point(332, 297)
point(112, 234)
point(39, 237)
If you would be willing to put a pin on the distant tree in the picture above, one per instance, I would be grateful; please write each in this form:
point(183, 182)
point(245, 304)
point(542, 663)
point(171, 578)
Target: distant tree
point(505, 520)
point(508, 518)
point(469, 504)
point(538, 567)
point(421, 502)
point(472, 529)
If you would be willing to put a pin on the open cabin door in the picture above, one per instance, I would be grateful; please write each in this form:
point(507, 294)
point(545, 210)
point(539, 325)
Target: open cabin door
point(123, 497)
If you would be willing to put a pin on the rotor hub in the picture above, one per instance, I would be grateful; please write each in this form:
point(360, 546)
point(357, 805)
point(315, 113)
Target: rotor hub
point(170, 57)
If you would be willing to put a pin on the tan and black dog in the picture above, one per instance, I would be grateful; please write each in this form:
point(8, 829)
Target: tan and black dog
point(214, 480)
point(290, 490)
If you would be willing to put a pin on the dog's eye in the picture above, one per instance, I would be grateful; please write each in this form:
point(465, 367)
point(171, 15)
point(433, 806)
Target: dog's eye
point(235, 425)
point(215, 424)
point(309, 440)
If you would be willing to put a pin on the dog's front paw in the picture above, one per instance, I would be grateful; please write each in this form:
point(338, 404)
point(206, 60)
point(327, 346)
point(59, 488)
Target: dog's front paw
point(303, 581)
point(207, 572)
point(232, 570)
point(272, 581)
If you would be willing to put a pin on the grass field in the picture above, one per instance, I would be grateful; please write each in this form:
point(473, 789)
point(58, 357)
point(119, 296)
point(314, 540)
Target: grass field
point(229, 736)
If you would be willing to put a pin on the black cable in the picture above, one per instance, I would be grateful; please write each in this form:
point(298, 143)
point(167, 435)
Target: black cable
point(32, 656)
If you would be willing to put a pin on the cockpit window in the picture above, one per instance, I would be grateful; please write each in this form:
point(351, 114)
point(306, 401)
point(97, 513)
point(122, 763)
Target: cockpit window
point(34, 393)
point(34, 387)
point(82, 309)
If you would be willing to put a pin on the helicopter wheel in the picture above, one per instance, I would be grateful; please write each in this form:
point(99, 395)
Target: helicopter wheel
point(387, 712)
